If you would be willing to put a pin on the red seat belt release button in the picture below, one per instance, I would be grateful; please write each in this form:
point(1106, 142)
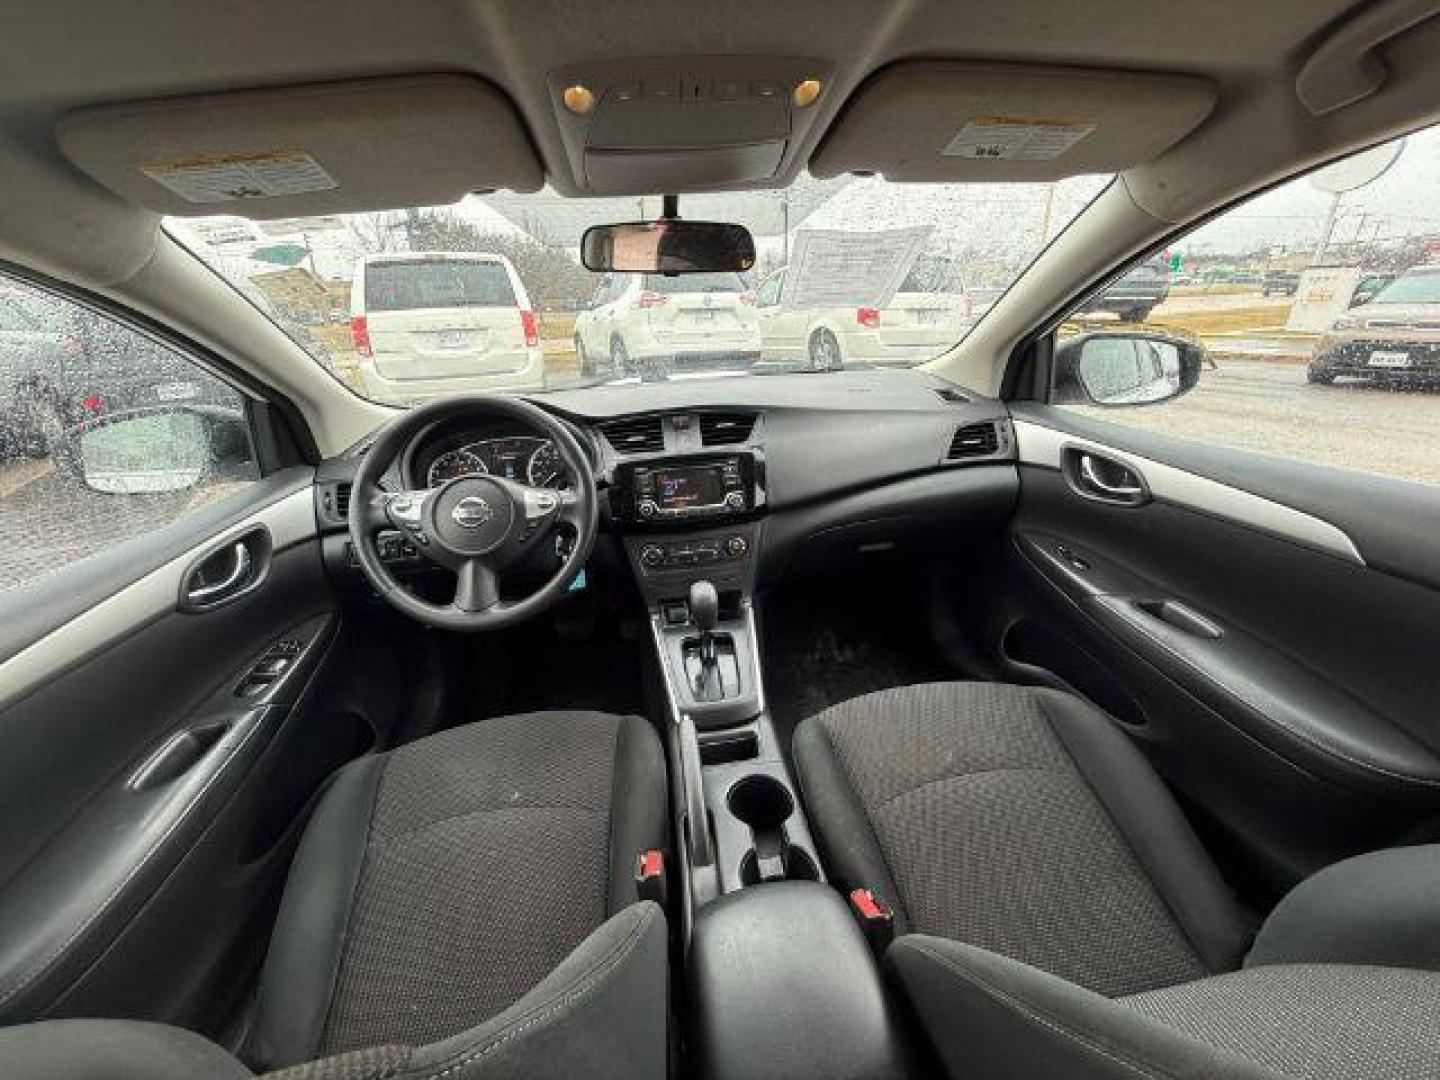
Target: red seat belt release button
point(876, 918)
point(650, 876)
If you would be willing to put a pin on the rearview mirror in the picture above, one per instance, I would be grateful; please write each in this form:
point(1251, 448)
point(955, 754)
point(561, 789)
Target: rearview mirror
point(668, 246)
point(1117, 369)
point(154, 451)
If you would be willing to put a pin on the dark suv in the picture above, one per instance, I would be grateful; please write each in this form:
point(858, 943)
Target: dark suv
point(1139, 291)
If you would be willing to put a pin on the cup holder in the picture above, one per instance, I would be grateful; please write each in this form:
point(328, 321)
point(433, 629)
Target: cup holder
point(797, 864)
point(761, 802)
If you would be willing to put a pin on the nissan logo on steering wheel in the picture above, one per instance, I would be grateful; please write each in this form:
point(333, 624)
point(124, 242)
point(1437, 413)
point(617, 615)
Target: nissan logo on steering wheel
point(471, 512)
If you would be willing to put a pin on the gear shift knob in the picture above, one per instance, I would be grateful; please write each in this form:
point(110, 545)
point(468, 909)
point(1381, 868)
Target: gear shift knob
point(704, 607)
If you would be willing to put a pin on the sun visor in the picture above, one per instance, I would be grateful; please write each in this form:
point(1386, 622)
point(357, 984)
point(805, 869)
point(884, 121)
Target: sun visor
point(960, 121)
point(297, 151)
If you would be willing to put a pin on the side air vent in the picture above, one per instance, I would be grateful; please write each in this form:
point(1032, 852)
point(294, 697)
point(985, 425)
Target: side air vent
point(332, 502)
point(635, 435)
point(974, 440)
point(725, 429)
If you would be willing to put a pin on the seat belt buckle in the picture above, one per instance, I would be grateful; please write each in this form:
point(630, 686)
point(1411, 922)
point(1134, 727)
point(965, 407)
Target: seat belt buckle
point(876, 919)
point(650, 876)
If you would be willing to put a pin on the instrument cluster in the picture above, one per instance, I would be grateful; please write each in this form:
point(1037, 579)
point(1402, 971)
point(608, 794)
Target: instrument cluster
point(525, 459)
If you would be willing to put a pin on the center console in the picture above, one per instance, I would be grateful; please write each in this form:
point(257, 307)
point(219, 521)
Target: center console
point(807, 999)
point(689, 488)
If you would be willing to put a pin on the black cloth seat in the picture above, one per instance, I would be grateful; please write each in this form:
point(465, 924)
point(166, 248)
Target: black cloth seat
point(1058, 917)
point(438, 885)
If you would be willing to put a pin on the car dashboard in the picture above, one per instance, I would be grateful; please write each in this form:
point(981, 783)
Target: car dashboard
point(734, 477)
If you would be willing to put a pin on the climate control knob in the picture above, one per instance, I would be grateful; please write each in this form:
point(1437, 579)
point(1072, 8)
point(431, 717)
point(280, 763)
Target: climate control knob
point(652, 555)
point(648, 509)
point(736, 546)
point(735, 501)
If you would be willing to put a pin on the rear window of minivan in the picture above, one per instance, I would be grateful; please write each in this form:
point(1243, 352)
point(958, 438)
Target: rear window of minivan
point(695, 283)
point(929, 274)
point(436, 283)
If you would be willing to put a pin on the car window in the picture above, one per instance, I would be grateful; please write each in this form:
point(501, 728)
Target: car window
point(105, 434)
point(1413, 287)
point(768, 295)
point(930, 274)
point(1318, 306)
point(406, 285)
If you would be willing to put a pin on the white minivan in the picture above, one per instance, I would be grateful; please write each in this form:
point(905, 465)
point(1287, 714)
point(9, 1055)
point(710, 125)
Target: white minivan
point(436, 322)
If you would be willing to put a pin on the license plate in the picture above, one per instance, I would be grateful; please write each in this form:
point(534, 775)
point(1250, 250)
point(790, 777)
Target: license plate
point(705, 316)
point(175, 391)
point(928, 316)
point(1387, 359)
point(452, 339)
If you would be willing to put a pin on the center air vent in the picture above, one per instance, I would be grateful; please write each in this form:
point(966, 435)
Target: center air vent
point(725, 429)
point(974, 440)
point(635, 435)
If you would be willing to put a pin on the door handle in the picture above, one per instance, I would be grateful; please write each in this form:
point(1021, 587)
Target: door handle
point(227, 573)
point(1099, 477)
point(208, 594)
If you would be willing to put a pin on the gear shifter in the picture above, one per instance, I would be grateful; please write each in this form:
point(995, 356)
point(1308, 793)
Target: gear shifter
point(705, 613)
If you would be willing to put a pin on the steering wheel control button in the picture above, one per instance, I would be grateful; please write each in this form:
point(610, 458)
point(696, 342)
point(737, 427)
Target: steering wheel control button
point(539, 504)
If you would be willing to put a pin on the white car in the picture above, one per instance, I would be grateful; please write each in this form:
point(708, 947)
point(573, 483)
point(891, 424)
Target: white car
point(929, 313)
point(438, 322)
point(653, 325)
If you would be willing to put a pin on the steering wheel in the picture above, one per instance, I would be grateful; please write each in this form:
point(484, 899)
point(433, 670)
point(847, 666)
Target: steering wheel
point(475, 525)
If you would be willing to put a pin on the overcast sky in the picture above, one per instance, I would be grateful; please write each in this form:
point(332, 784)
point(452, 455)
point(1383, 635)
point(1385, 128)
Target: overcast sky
point(1403, 201)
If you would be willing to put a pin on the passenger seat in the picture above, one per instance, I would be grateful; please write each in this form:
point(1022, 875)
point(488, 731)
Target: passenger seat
point(1056, 915)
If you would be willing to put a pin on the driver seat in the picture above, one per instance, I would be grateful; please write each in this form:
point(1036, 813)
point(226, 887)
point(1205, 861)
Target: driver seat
point(466, 906)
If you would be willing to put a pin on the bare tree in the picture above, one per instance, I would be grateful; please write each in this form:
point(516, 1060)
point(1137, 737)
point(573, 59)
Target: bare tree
point(551, 275)
point(376, 232)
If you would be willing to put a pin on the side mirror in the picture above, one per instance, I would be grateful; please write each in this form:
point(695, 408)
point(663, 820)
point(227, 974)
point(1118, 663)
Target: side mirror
point(1116, 369)
point(154, 451)
point(668, 246)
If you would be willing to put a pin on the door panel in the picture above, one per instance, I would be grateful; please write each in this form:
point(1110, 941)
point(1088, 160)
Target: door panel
point(1278, 678)
point(139, 762)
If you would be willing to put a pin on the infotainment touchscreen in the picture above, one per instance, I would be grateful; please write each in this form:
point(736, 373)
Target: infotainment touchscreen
point(689, 487)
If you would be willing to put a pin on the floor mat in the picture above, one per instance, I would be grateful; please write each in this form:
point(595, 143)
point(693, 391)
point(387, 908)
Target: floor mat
point(819, 650)
point(581, 659)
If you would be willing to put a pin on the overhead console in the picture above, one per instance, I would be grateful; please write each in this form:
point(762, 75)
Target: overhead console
point(639, 126)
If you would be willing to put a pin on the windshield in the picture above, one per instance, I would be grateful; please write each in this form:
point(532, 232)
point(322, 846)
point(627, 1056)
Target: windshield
point(489, 294)
point(1417, 287)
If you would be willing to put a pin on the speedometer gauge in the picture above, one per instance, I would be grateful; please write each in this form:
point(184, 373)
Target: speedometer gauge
point(545, 469)
point(455, 463)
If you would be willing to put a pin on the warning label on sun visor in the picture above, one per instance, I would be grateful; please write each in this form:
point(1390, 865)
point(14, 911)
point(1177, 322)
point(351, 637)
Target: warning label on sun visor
point(232, 177)
point(1009, 138)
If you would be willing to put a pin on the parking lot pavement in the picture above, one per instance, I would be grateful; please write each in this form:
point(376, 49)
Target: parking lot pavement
point(1270, 408)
